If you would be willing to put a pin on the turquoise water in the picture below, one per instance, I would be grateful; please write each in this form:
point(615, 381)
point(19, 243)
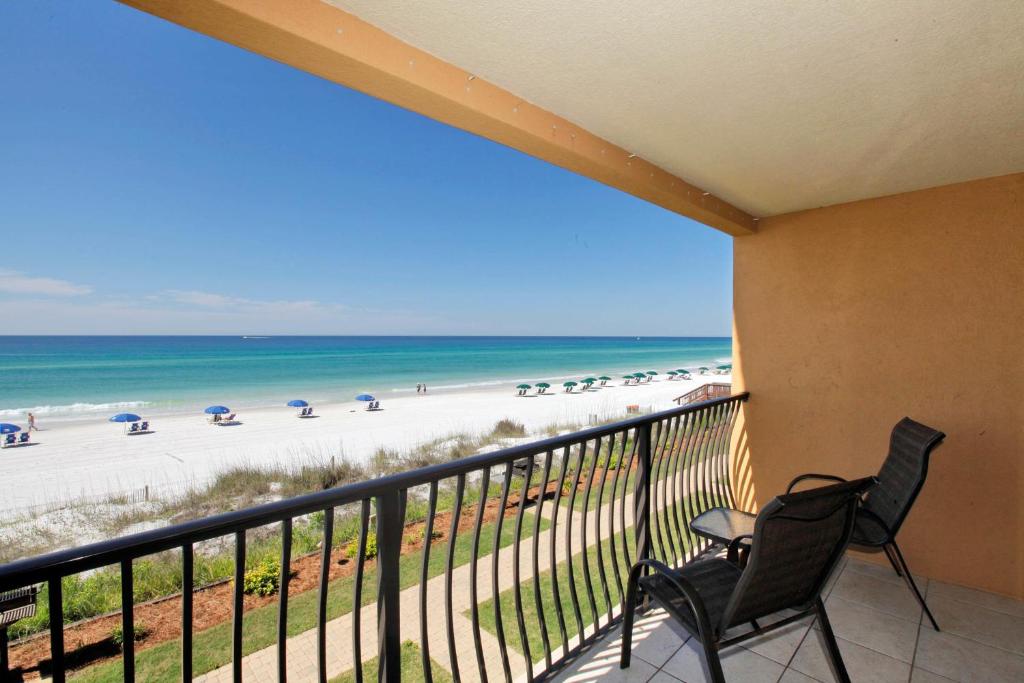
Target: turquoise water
point(67, 376)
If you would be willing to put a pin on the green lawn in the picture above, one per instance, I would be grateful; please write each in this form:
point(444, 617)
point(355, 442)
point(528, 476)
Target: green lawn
point(412, 668)
point(212, 647)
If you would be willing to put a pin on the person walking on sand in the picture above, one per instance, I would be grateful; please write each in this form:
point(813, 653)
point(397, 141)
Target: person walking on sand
point(419, 388)
point(32, 423)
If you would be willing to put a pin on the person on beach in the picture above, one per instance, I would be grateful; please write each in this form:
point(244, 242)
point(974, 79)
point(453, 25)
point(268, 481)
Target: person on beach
point(424, 388)
point(32, 423)
point(419, 387)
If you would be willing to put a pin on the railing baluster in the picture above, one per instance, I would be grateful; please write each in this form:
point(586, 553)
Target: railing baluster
point(587, 581)
point(499, 626)
point(537, 514)
point(428, 540)
point(671, 503)
point(714, 420)
point(701, 456)
point(597, 527)
point(656, 536)
point(725, 466)
point(552, 541)
point(474, 609)
point(689, 494)
point(641, 495)
point(390, 524)
point(321, 611)
point(518, 592)
point(282, 603)
point(716, 461)
point(357, 592)
point(56, 604)
point(570, 513)
point(187, 582)
point(127, 621)
point(615, 497)
point(664, 533)
point(237, 608)
point(628, 544)
point(679, 499)
point(460, 489)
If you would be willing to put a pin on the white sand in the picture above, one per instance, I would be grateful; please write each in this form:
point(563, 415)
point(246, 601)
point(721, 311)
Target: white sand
point(91, 460)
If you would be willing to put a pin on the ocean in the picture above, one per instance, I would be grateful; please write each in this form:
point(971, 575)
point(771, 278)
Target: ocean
point(69, 377)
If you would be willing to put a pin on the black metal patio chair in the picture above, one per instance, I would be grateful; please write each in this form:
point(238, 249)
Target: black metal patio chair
point(796, 542)
point(886, 506)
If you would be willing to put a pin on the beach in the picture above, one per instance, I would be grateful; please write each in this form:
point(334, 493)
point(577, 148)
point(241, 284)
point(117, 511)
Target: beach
point(92, 459)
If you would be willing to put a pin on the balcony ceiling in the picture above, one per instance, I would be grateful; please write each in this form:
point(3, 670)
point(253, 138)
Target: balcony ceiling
point(790, 106)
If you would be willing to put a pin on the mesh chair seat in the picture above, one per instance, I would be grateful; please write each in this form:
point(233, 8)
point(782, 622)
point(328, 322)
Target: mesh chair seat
point(868, 532)
point(715, 580)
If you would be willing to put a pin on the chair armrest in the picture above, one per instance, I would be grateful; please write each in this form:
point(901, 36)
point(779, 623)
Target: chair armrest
point(733, 553)
point(822, 477)
point(684, 587)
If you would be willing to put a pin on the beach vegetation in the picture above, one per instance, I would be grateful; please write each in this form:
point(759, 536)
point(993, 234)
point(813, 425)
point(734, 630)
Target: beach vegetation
point(508, 429)
point(117, 634)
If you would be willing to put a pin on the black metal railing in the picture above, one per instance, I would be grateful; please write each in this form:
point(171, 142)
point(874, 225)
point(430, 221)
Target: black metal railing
point(580, 508)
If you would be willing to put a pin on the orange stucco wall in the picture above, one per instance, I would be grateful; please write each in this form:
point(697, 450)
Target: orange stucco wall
point(848, 318)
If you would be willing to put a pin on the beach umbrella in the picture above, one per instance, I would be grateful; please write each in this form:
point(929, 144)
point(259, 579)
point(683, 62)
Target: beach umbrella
point(8, 428)
point(126, 417)
point(589, 380)
point(724, 367)
point(605, 378)
point(524, 386)
point(364, 397)
point(297, 403)
point(629, 377)
point(652, 373)
point(683, 371)
point(568, 384)
point(543, 385)
point(671, 372)
point(702, 369)
point(217, 410)
point(639, 375)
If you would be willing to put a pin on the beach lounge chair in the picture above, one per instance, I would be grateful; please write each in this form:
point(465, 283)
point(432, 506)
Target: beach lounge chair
point(796, 543)
point(227, 419)
point(144, 427)
point(9, 440)
point(23, 438)
point(134, 428)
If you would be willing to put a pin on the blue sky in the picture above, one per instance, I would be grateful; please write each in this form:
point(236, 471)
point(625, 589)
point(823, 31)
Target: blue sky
point(155, 181)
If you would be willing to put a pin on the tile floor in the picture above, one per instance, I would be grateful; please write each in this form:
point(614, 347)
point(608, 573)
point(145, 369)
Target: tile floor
point(882, 633)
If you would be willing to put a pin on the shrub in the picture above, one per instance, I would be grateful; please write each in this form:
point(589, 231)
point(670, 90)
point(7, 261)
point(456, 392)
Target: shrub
point(263, 579)
point(117, 634)
point(508, 429)
point(352, 549)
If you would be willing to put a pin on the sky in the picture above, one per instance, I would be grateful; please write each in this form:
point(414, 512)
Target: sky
point(157, 181)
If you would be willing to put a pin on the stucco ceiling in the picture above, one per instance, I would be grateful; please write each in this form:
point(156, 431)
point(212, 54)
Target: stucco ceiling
point(774, 106)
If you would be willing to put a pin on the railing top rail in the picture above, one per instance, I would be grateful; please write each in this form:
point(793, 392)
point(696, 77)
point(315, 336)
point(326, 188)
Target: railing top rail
point(83, 558)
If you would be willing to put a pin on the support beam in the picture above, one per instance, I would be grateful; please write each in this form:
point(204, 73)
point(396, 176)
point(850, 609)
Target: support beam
point(328, 42)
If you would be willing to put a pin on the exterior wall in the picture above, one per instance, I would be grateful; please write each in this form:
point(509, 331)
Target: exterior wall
point(850, 317)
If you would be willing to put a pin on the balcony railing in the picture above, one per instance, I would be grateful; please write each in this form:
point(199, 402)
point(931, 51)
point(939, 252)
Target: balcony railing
point(581, 508)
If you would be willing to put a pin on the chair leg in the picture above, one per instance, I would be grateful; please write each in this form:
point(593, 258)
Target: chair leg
point(714, 662)
point(913, 586)
point(628, 615)
point(835, 658)
point(892, 560)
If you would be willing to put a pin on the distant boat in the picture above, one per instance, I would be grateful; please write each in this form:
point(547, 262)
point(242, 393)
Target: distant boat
point(255, 337)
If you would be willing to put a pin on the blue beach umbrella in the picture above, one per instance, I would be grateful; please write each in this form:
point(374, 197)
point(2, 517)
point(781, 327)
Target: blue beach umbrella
point(297, 403)
point(217, 410)
point(364, 397)
point(8, 428)
point(126, 417)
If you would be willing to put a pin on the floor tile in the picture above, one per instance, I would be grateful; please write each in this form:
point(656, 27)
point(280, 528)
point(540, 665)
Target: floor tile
point(884, 571)
point(891, 598)
point(780, 645)
point(961, 659)
point(602, 664)
point(794, 676)
point(992, 601)
point(738, 664)
point(864, 665)
point(662, 677)
point(922, 676)
point(871, 628)
point(977, 623)
point(654, 638)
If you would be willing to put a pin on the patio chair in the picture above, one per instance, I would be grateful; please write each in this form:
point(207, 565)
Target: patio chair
point(10, 440)
point(144, 427)
point(797, 540)
point(23, 438)
point(899, 482)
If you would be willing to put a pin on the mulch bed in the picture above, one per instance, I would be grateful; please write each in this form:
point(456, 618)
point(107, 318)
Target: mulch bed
point(89, 642)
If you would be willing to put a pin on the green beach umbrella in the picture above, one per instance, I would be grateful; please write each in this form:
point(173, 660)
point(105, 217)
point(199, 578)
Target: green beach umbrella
point(589, 380)
point(543, 385)
point(702, 369)
point(652, 373)
point(568, 384)
point(629, 377)
point(639, 375)
point(605, 378)
point(683, 371)
point(724, 367)
point(524, 386)
point(671, 372)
